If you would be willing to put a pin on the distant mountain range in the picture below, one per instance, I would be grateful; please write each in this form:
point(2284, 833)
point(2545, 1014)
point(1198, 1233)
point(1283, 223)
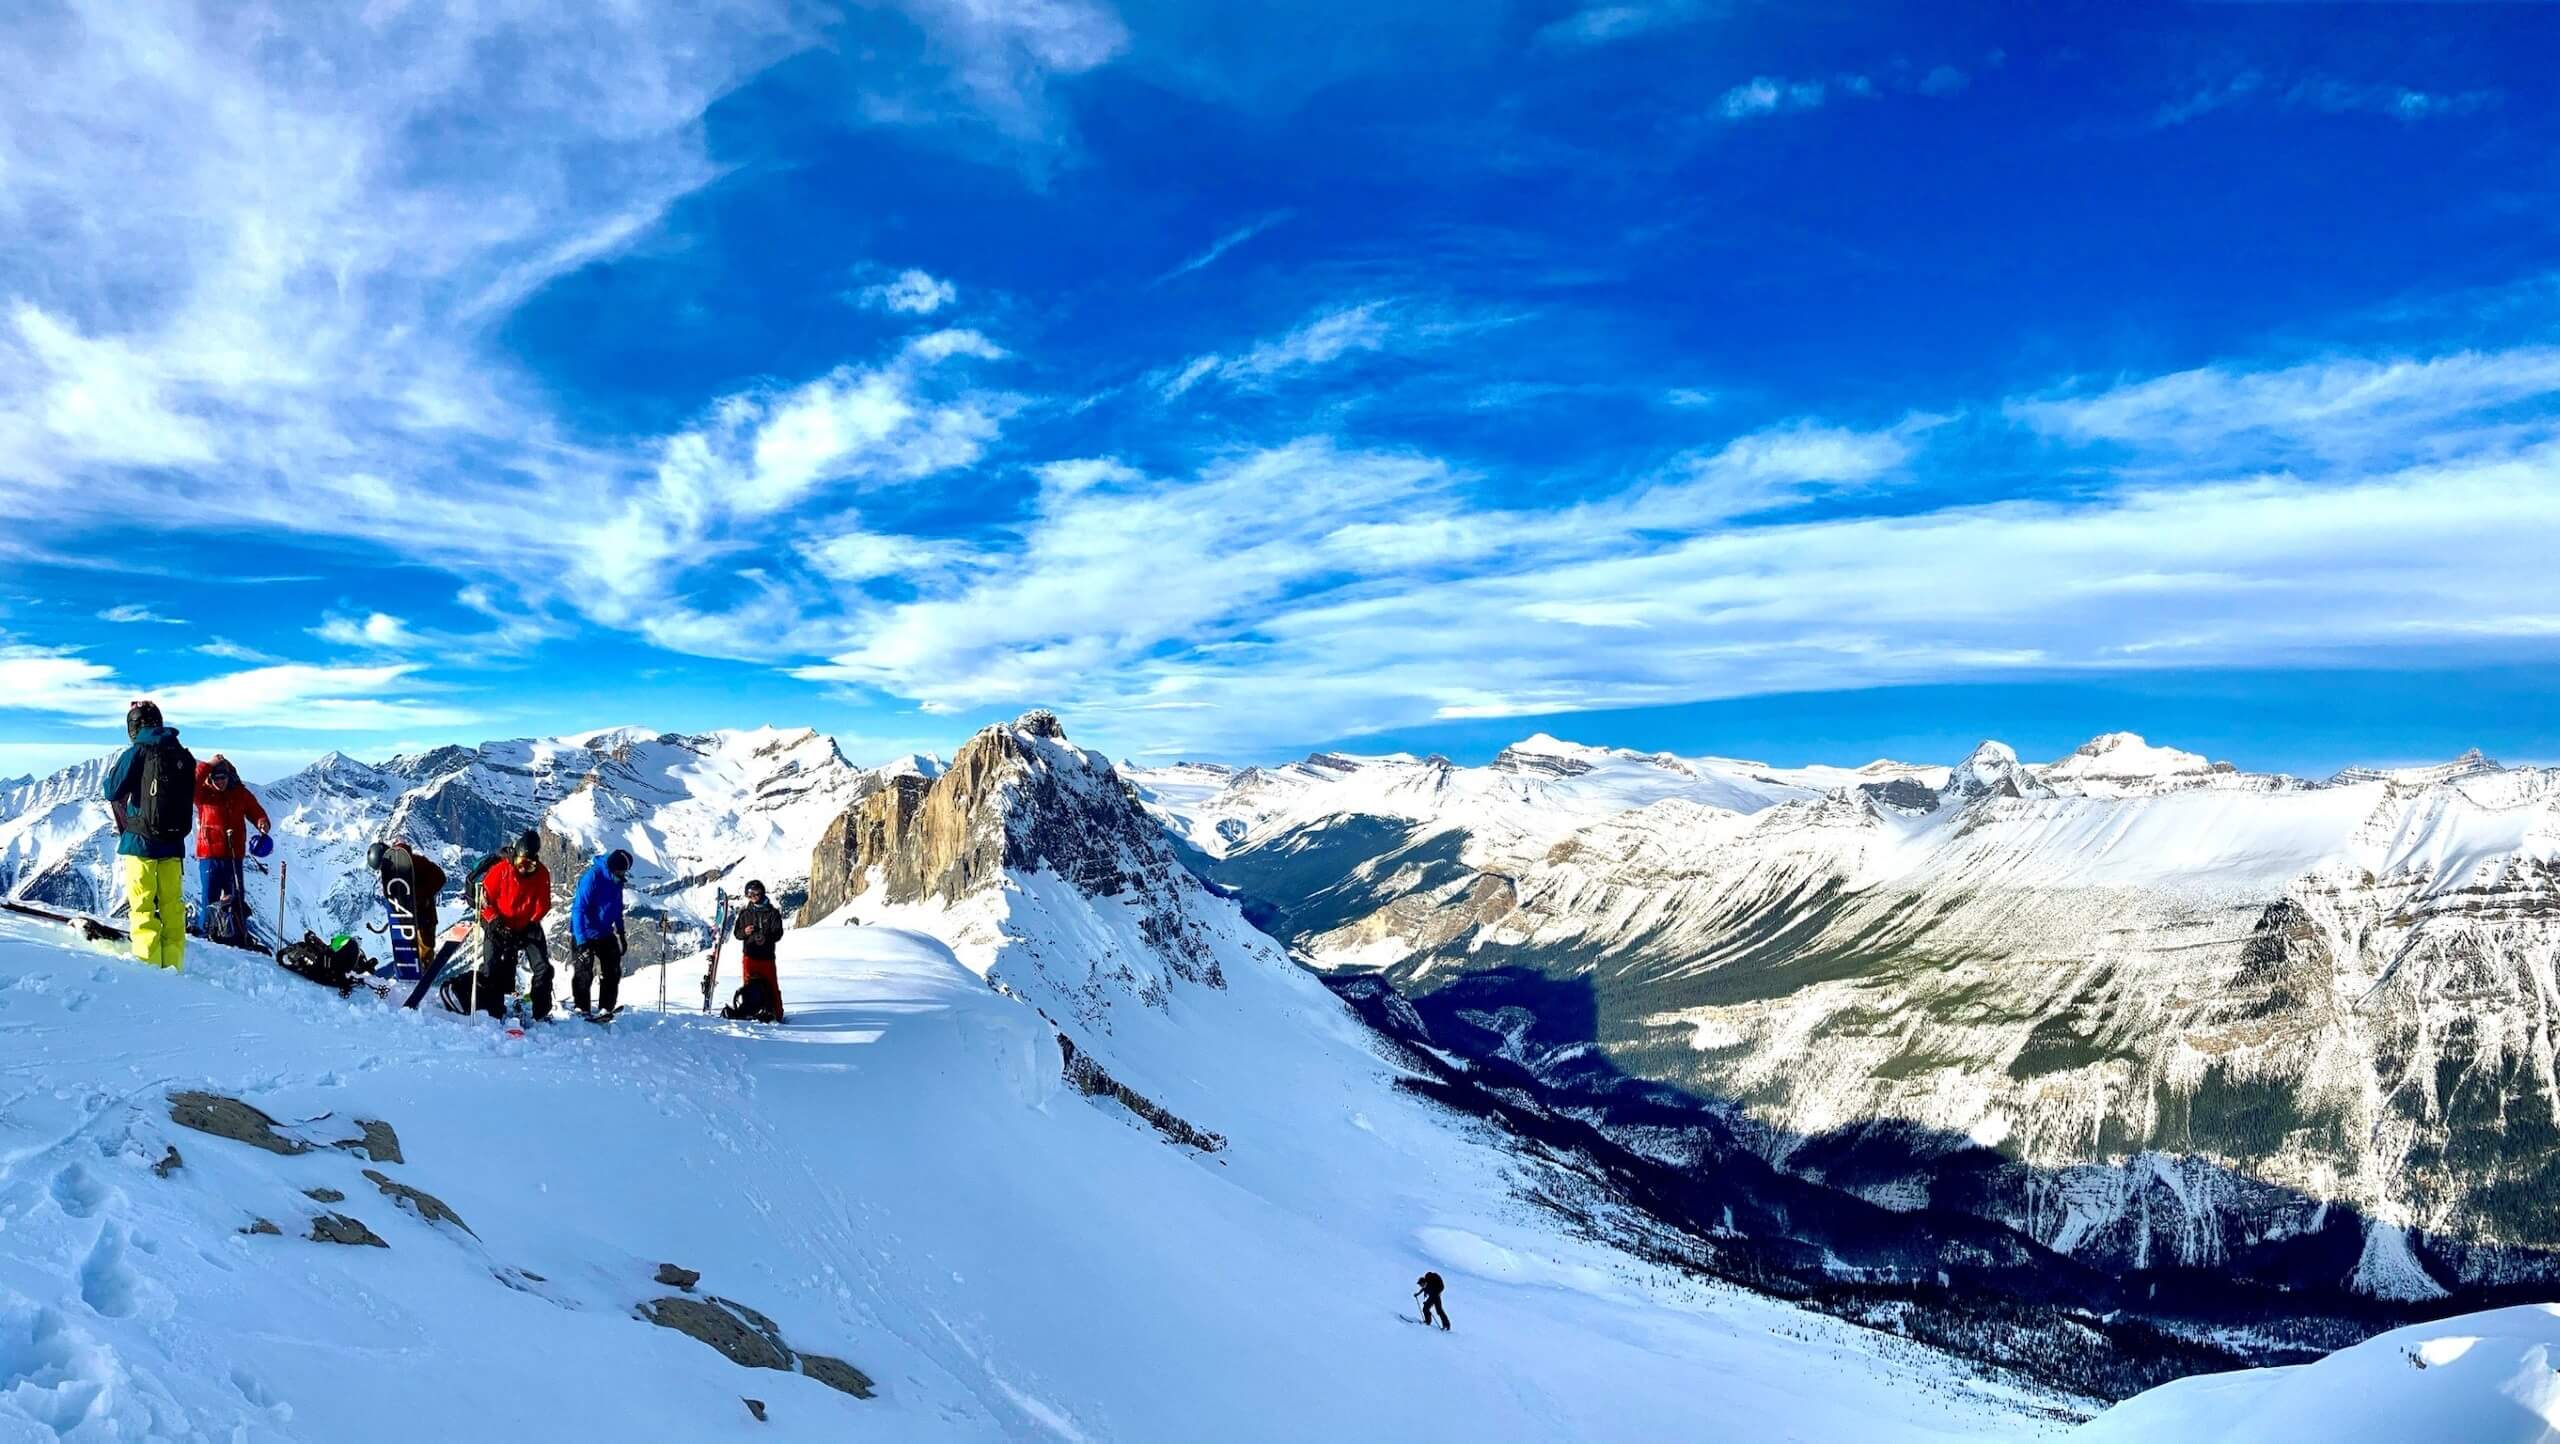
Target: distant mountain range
point(2141, 1006)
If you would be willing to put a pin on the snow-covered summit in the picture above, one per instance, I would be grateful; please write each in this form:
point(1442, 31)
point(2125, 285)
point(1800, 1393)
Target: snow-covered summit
point(1990, 770)
point(2124, 761)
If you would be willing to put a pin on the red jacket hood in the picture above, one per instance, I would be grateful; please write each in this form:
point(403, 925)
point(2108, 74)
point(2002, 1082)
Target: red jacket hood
point(222, 818)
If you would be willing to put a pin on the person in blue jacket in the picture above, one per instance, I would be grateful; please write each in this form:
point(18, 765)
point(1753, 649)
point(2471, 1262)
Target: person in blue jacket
point(595, 931)
point(151, 791)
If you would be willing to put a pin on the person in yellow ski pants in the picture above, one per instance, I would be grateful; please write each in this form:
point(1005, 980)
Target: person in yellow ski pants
point(151, 791)
point(155, 893)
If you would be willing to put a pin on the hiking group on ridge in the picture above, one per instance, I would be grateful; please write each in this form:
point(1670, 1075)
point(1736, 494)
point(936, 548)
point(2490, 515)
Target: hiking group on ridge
point(158, 794)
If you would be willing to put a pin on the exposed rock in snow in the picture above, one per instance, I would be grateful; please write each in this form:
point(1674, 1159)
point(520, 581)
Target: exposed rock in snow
point(2470, 764)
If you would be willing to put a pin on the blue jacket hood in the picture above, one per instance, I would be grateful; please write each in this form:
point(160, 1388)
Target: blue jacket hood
point(596, 911)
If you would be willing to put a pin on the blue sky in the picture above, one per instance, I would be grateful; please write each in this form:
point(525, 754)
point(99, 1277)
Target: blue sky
point(1246, 377)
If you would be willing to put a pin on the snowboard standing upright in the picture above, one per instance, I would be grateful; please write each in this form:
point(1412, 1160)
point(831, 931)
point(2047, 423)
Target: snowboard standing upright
point(409, 886)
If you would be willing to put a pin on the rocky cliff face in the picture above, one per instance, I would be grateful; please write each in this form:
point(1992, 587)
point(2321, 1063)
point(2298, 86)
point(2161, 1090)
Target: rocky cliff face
point(1021, 809)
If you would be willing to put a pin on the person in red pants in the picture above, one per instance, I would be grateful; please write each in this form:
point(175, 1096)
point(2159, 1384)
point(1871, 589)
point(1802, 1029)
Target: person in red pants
point(758, 931)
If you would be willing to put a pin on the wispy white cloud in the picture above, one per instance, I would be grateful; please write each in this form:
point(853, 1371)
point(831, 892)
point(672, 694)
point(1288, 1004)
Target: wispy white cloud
point(231, 651)
point(377, 631)
point(1323, 338)
point(1614, 20)
point(130, 612)
point(1769, 95)
point(911, 293)
point(1125, 592)
point(2345, 408)
point(1223, 244)
point(1001, 57)
point(2325, 93)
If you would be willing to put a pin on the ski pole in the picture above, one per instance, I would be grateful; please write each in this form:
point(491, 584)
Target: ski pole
point(280, 871)
point(664, 958)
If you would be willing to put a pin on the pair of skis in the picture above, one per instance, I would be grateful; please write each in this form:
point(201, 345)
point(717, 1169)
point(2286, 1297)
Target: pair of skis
point(719, 939)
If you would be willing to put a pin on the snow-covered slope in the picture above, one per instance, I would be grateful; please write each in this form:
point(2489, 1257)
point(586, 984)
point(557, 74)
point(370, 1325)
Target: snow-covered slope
point(901, 1180)
point(2486, 1378)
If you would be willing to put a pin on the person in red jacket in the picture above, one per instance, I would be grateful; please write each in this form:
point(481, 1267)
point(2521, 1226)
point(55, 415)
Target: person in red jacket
point(759, 933)
point(225, 811)
point(515, 894)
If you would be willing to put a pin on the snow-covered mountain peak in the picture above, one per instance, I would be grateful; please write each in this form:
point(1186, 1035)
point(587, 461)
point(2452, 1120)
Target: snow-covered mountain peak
point(1991, 769)
point(1543, 755)
point(2126, 754)
point(2122, 764)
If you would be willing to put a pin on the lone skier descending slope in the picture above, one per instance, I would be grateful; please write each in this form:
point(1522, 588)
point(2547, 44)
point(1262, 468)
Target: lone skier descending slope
point(151, 790)
point(225, 811)
point(759, 933)
point(595, 931)
point(515, 893)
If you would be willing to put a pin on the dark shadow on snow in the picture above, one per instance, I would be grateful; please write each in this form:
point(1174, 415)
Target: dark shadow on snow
point(1518, 1049)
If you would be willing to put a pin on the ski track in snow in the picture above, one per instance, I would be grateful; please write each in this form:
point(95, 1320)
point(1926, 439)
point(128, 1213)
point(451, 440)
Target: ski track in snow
point(899, 1178)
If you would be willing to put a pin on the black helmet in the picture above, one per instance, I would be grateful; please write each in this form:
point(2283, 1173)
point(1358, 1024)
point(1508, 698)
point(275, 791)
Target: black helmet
point(375, 856)
point(755, 889)
point(529, 844)
point(618, 863)
point(145, 713)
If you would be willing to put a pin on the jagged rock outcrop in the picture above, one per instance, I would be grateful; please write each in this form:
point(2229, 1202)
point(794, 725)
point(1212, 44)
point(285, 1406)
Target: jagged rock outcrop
point(1020, 801)
point(880, 814)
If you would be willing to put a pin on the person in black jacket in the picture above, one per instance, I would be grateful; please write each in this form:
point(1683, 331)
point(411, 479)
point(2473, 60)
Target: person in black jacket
point(1428, 1287)
point(758, 930)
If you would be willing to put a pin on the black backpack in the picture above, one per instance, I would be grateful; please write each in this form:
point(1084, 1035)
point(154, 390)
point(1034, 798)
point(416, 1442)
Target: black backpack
point(758, 1002)
point(338, 967)
point(164, 790)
